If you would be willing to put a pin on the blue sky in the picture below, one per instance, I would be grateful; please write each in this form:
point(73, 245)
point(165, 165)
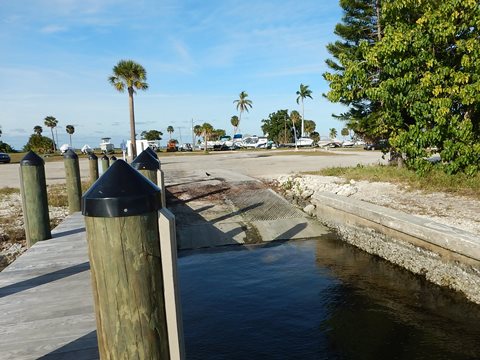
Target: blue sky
point(199, 55)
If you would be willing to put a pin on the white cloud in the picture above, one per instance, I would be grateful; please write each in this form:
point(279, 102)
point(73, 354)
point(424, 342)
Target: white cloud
point(51, 29)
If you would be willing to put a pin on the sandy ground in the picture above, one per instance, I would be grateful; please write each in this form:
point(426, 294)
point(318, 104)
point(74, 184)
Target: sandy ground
point(446, 209)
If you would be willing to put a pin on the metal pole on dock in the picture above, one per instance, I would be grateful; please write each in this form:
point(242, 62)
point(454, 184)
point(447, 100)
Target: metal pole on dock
point(105, 163)
point(93, 167)
point(33, 188)
point(121, 219)
point(74, 185)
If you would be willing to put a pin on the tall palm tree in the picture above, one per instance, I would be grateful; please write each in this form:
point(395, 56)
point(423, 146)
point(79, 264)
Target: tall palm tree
point(51, 122)
point(170, 131)
point(197, 130)
point(295, 117)
point(303, 93)
point(234, 121)
point(309, 126)
point(129, 75)
point(333, 133)
point(37, 129)
point(207, 130)
point(242, 104)
point(70, 130)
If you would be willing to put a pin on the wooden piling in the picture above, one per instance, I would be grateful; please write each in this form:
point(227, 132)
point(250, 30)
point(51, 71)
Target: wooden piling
point(105, 163)
point(93, 167)
point(112, 159)
point(147, 165)
point(74, 185)
point(121, 218)
point(33, 189)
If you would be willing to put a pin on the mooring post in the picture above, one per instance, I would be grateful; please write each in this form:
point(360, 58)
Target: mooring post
point(33, 188)
point(93, 167)
point(121, 219)
point(74, 185)
point(147, 165)
point(112, 159)
point(161, 185)
point(105, 163)
point(151, 152)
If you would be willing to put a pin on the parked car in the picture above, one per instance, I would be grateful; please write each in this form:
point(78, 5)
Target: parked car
point(4, 158)
point(186, 147)
point(376, 145)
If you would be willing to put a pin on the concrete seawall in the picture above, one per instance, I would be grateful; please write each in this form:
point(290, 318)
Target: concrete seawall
point(445, 255)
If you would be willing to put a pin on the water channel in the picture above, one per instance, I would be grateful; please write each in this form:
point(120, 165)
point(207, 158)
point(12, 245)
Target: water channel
point(318, 299)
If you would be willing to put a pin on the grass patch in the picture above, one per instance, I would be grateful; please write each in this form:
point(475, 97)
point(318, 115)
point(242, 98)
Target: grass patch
point(8, 191)
point(57, 193)
point(434, 181)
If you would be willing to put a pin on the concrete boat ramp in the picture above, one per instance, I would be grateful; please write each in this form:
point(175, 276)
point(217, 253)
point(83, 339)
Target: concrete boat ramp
point(46, 303)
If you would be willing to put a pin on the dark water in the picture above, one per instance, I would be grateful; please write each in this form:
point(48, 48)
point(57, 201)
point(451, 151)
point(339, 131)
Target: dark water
point(318, 299)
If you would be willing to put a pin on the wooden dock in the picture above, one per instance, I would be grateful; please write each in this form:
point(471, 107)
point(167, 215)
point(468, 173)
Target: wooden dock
point(46, 304)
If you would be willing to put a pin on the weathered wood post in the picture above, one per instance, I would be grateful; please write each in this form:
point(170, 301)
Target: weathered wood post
point(93, 167)
point(121, 219)
point(33, 188)
point(105, 163)
point(74, 185)
point(147, 165)
point(112, 159)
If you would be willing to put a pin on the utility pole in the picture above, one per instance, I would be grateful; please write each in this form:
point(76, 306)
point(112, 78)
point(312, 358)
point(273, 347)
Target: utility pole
point(193, 136)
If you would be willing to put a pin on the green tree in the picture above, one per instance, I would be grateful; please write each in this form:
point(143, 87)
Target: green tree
point(129, 75)
point(37, 129)
point(295, 117)
point(51, 122)
point(333, 133)
point(310, 127)
point(430, 63)
point(234, 121)
point(151, 135)
point(350, 74)
point(345, 132)
point(70, 130)
point(40, 144)
point(242, 104)
point(315, 136)
point(278, 127)
point(207, 130)
point(4, 147)
point(170, 131)
point(197, 130)
point(303, 93)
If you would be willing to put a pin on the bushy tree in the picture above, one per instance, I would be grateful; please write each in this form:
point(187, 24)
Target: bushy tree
point(279, 126)
point(39, 144)
point(4, 147)
point(151, 135)
point(430, 61)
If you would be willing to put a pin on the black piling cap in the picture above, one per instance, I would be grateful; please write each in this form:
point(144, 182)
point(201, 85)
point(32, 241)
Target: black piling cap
point(151, 152)
point(92, 156)
point(105, 157)
point(121, 191)
point(113, 158)
point(31, 159)
point(145, 161)
point(70, 154)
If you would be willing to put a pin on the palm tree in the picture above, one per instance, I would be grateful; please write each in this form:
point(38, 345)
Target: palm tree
point(207, 129)
point(197, 130)
point(242, 104)
point(295, 116)
point(303, 93)
point(129, 75)
point(51, 122)
point(234, 121)
point(70, 130)
point(170, 131)
point(333, 133)
point(309, 126)
point(38, 130)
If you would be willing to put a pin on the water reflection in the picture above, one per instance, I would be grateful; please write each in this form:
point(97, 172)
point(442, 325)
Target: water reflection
point(317, 300)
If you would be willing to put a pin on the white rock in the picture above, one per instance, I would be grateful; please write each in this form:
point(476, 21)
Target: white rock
point(309, 209)
point(306, 194)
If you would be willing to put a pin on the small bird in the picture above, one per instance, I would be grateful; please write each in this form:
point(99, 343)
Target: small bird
point(207, 173)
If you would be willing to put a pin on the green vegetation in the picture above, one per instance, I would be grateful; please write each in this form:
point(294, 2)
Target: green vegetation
point(8, 191)
point(303, 93)
point(279, 127)
point(51, 122)
point(242, 104)
point(70, 129)
point(40, 144)
point(129, 75)
point(151, 135)
point(433, 181)
point(410, 72)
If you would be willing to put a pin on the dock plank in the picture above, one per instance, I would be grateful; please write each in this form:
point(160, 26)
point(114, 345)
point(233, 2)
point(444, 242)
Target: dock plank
point(46, 304)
